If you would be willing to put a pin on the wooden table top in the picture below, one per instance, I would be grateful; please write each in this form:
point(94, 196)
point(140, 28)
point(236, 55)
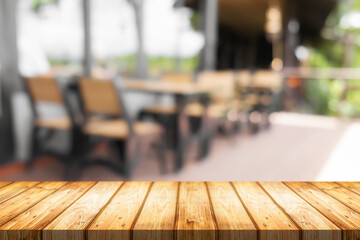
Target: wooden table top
point(185, 210)
point(166, 87)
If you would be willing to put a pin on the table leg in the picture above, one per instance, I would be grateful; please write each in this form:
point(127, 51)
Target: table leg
point(206, 130)
point(182, 132)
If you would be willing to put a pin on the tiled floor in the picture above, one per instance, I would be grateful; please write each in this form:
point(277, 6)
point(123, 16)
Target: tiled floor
point(296, 148)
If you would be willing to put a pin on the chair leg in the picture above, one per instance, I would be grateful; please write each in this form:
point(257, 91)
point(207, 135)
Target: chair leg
point(266, 120)
point(33, 150)
point(141, 116)
point(207, 139)
point(129, 154)
point(206, 146)
point(162, 153)
point(254, 121)
point(236, 127)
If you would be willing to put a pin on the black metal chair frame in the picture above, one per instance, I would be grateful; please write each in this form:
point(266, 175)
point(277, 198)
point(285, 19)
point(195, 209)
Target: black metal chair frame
point(78, 140)
point(128, 148)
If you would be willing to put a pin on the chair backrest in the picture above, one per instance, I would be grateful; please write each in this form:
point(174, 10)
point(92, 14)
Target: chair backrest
point(44, 89)
point(221, 81)
point(177, 77)
point(100, 97)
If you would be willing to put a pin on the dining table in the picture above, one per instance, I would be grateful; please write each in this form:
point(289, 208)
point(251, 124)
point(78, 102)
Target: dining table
point(179, 210)
point(182, 93)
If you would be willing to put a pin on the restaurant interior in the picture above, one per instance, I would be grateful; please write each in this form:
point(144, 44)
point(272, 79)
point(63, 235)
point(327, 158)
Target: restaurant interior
point(179, 90)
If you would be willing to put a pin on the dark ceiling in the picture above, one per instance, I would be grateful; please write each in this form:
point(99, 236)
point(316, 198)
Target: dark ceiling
point(247, 17)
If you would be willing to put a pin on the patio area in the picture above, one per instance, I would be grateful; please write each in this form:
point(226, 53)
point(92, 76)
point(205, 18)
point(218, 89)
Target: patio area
point(298, 147)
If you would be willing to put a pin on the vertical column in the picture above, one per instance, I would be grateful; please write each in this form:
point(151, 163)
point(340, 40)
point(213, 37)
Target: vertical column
point(8, 45)
point(9, 76)
point(87, 61)
point(291, 41)
point(291, 34)
point(209, 10)
point(141, 60)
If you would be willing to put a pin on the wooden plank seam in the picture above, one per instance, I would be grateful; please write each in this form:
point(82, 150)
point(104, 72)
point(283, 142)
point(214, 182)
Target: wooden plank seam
point(212, 212)
point(285, 213)
point(98, 214)
point(139, 211)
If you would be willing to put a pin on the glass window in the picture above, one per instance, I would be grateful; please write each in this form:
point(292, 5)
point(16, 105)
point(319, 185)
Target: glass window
point(113, 34)
point(50, 36)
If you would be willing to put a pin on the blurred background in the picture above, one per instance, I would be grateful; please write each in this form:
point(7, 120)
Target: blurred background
point(240, 90)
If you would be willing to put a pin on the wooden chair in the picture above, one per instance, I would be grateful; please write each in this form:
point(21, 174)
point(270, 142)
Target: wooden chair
point(217, 110)
point(46, 90)
point(102, 99)
point(223, 107)
point(223, 82)
point(258, 93)
point(165, 114)
point(258, 88)
point(267, 85)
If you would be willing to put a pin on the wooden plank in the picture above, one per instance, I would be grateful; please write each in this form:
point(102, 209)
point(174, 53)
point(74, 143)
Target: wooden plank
point(71, 224)
point(353, 186)
point(314, 225)
point(338, 213)
point(3, 184)
point(157, 218)
point(118, 216)
point(344, 195)
point(18, 204)
point(268, 217)
point(232, 219)
point(171, 210)
point(195, 220)
point(14, 189)
point(28, 224)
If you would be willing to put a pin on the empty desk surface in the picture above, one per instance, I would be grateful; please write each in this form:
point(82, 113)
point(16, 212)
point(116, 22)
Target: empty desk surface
point(179, 210)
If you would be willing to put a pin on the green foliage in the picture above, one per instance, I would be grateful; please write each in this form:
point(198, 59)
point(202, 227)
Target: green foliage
point(156, 65)
point(159, 65)
point(335, 97)
point(36, 4)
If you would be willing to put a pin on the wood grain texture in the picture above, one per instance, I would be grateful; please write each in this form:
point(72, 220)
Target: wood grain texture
point(157, 218)
point(232, 219)
point(344, 195)
point(179, 210)
point(21, 202)
point(117, 217)
point(195, 220)
point(314, 225)
point(13, 189)
point(28, 224)
point(269, 218)
point(71, 224)
point(344, 217)
point(353, 186)
point(3, 184)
